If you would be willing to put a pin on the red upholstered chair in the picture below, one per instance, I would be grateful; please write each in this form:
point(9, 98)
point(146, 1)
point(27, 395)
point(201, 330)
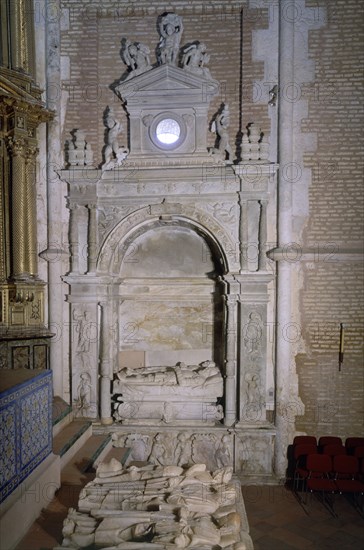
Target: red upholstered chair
point(304, 439)
point(333, 450)
point(352, 442)
point(318, 481)
point(300, 453)
point(346, 470)
point(329, 440)
point(361, 469)
point(359, 453)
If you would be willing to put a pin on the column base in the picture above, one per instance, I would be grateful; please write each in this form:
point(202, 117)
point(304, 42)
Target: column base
point(107, 421)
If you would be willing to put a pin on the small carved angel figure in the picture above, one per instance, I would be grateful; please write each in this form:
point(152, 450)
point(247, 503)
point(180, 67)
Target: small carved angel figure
point(220, 126)
point(114, 155)
point(170, 30)
point(136, 56)
point(194, 57)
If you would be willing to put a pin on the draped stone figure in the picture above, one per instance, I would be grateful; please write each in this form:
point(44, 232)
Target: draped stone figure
point(170, 30)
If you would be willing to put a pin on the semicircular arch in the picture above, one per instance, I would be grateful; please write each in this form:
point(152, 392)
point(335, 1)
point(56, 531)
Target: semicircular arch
point(115, 246)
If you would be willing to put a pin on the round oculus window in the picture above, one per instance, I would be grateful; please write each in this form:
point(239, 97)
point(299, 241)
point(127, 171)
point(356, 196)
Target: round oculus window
point(168, 131)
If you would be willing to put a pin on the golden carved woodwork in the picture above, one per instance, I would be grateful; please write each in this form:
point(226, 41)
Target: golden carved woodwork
point(21, 112)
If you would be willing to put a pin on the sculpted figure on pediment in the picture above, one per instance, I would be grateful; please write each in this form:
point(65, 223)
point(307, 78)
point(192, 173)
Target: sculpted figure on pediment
point(170, 29)
point(194, 58)
point(136, 56)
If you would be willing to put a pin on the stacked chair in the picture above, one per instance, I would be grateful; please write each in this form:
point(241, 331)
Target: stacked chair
point(328, 467)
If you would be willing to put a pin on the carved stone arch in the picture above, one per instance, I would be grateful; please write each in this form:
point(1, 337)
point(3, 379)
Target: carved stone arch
point(117, 242)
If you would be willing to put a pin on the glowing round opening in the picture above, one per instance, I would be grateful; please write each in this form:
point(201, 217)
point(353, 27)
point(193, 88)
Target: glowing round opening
point(168, 131)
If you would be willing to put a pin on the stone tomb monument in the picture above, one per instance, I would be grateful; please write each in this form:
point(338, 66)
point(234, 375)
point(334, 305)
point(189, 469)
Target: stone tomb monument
point(179, 394)
point(158, 508)
point(168, 265)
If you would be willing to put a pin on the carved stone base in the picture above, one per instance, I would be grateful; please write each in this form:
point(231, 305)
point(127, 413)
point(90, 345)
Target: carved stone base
point(249, 451)
point(24, 348)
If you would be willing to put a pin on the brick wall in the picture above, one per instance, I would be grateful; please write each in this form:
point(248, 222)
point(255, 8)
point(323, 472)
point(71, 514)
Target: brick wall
point(93, 43)
point(333, 290)
point(333, 294)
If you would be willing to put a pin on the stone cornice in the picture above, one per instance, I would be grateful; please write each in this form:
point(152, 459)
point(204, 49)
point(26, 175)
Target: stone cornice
point(18, 92)
point(145, 7)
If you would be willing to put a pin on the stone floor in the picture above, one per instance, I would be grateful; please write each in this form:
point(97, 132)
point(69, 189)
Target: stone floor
point(277, 522)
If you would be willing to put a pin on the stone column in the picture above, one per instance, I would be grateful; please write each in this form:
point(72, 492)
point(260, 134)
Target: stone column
point(230, 361)
point(57, 314)
point(74, 244)
point(284, 282)
point(91, 239)
point(106, 371)
point(243, 233)
point(263, 236)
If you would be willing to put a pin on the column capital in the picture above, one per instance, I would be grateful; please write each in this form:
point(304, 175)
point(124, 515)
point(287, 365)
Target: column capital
point(231, 299)
point(17, 146)
point(74, 207)
point(31, 153)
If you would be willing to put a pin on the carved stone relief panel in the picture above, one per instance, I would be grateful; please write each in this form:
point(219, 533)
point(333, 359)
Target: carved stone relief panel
point(253, 364)
point(254, 453)
point(182, 447)
point(215, 450)
point(84, 360)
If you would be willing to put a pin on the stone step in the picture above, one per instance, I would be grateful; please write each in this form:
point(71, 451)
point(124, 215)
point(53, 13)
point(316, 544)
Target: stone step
point(81, 468)
point(70, 439)
point(62, 415)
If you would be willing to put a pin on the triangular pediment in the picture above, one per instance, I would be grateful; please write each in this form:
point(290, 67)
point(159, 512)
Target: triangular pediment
point(166, 78)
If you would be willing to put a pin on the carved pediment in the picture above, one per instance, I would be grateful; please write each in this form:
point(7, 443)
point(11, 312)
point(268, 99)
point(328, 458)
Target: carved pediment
point(167, 80)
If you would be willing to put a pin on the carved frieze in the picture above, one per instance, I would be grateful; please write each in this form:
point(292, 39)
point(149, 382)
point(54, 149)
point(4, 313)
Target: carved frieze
point(185, 448)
